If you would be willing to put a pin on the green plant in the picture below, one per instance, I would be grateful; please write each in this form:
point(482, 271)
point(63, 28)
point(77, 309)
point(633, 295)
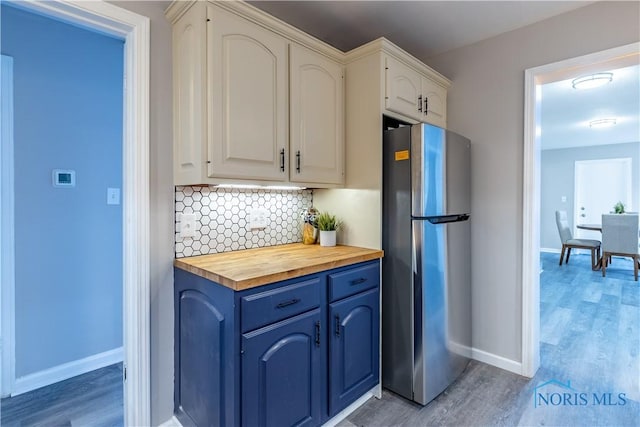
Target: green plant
point(327, 222)
point(619, 208)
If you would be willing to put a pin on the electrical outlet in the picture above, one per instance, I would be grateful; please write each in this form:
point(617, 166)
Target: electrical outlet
point(187, 225)
point(258, 218)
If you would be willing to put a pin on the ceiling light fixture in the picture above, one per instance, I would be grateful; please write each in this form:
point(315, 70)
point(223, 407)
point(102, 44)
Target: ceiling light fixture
point(592, 80)
point(602, 123)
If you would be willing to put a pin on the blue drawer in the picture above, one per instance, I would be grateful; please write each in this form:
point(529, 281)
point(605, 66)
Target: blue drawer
point(267, 307)
point(354, 280)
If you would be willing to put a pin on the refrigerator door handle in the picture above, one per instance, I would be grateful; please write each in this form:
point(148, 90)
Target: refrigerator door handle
point(444, 219)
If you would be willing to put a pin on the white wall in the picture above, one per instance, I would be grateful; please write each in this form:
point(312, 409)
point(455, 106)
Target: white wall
point(162, 207)
point(486, 104)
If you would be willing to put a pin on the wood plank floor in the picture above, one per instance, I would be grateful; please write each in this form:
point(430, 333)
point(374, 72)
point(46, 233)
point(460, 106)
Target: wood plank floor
point(91, 399)
point(589, 336)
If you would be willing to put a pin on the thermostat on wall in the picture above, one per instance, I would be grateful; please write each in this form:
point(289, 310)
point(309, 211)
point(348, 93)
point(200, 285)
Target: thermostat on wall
point(64, 178)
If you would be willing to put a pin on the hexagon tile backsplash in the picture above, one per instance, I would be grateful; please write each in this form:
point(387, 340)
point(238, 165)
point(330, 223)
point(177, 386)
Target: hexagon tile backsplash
point(222, 218)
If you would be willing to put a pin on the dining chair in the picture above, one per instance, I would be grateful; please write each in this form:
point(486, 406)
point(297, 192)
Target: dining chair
point(620, 238)
point(568, 242)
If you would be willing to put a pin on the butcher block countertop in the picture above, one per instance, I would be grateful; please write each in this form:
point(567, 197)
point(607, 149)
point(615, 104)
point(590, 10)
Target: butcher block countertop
point(240, 270)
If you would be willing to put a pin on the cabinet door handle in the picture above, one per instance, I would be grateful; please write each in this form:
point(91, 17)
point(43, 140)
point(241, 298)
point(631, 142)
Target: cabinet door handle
point(420, 103)
point(337, 325)
point(358, 281)
point(282, 160)
point(318, 334)
point(426, 105)
point(284, 304)
point(298, 161)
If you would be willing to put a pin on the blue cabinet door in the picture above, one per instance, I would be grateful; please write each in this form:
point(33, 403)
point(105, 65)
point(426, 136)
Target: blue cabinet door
point(281, 373)
point(353, 348)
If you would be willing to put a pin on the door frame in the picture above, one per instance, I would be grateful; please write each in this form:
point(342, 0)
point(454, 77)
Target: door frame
point(535, 77)
point(134, 29)
point(7, 263)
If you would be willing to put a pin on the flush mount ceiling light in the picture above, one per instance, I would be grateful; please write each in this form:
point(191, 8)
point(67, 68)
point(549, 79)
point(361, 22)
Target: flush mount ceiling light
point(592, 80)
point(602, 123)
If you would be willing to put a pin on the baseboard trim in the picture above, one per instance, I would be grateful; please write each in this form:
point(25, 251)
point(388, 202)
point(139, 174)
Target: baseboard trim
point(171, 422)
point(67, 370)
point(461, 349)
point(497, 361)
point(550, 250)
point(349, 409)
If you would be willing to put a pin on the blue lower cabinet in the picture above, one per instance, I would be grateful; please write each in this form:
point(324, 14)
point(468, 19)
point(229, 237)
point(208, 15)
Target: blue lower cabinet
point(205, 371)
point(292, 353)
point(281, 373)
point(353, 348)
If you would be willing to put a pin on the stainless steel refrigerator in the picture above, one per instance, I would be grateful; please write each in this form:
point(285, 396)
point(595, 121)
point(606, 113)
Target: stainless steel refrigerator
point(426, 291)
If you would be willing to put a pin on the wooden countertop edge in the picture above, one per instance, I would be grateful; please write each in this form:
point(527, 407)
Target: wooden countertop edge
point(240, 285)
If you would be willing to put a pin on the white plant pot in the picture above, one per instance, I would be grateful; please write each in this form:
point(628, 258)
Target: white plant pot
point(328, 238)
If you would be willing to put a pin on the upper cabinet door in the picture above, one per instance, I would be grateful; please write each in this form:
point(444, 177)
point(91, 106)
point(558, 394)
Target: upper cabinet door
point(189, 97)
point(317, 118)
point(435, 103)
point(247, 99)
point(403, 90)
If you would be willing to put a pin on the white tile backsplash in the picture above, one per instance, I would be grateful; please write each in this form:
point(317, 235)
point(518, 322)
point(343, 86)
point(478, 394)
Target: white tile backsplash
point(222, 218)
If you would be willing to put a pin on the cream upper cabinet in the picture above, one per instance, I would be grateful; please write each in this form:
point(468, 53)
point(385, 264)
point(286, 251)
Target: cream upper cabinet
point(413, 95)
point(255, 101)
point(247, 99)
point(434, 98)
point(317, 118)
point(403, 89)
point(189, 126)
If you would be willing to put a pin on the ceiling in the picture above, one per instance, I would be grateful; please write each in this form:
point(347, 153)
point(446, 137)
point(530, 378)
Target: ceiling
point(566, 111)
point(429, 28)
point(422, 28)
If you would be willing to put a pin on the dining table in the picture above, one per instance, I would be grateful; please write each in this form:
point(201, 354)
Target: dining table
point(593, 227)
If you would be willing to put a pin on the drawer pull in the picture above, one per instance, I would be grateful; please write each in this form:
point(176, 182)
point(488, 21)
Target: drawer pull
point(358, 281)
point(337, 325)
point(288, 303)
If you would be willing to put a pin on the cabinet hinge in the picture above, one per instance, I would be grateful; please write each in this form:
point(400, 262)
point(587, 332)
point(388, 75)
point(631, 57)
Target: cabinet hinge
point(124, 374)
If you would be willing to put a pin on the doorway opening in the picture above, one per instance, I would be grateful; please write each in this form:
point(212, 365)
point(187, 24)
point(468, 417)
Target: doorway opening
point(134, 30)
point(534, 79)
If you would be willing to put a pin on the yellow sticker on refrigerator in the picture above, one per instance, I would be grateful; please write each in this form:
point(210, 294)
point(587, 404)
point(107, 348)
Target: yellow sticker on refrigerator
point(402, 155)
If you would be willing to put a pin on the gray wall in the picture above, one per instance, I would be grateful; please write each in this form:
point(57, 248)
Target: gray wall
point(162, 208)
point(68, 241)
point(486, 104)
point(557, 180)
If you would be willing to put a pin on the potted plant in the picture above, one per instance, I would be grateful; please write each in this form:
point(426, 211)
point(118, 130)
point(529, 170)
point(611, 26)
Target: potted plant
point(619, 208)
point(327, 224)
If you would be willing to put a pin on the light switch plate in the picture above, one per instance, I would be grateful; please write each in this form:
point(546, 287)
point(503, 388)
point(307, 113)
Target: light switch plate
point(258, 218)
point(113, 196)
point(187, 225)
